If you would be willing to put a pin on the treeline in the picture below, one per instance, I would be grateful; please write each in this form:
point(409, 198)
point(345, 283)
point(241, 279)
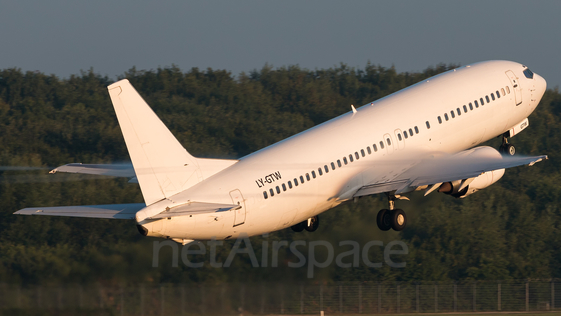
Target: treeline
point(510, 230)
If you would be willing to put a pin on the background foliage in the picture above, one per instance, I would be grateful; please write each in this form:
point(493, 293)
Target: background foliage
point(510, 230)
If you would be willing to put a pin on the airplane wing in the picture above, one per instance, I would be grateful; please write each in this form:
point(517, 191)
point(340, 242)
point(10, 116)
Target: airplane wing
point(445, 169)
point(116, 211)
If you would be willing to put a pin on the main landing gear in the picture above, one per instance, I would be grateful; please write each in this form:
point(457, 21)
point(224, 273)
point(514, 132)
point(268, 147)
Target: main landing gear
point(506, 149)
point(392, 218)
point(311, 225)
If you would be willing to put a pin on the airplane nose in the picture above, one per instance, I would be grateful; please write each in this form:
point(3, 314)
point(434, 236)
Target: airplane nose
point(541, 85)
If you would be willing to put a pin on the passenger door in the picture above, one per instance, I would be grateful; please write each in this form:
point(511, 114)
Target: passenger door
point(516, 86)
point(239, 215)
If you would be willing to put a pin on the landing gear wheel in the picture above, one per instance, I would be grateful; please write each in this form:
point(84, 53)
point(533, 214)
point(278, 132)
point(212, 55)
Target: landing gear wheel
point(384, 220)
point(299, 227)
point(312, 224)
point(398, 220)
point(507, 149)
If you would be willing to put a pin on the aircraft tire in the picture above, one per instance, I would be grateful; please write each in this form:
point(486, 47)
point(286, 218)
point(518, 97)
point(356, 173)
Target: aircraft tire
point(510, 149)
point(384, 220)
point(313, 225)
point(507, 149)
point(398, 219)
point(299, 227)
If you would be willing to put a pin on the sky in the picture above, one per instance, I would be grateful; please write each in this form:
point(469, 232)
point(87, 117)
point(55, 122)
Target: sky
point(110, 37)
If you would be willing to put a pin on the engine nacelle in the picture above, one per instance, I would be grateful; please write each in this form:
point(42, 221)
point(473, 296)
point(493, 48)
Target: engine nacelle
point(483, 181)
point(480, 182)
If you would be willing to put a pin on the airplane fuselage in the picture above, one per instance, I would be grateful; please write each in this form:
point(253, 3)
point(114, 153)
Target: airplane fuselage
point(315, 170)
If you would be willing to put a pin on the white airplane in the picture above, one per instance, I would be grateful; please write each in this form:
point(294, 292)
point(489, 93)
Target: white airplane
point(419, 138)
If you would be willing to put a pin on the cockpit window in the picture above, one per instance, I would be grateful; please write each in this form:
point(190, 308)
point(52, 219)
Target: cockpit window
point(528, 73)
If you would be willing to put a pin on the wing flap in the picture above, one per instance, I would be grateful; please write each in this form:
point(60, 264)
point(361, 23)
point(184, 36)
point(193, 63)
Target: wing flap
point(115, 211)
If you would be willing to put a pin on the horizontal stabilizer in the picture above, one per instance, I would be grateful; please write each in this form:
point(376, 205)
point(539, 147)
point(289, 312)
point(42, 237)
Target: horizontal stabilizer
point(207, 166)
point(115, 170)
point(116, 211)
point(195, 208)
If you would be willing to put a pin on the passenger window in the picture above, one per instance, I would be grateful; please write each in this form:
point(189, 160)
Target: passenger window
point(492, 97)
point(503, 91)
point(295, 182)
point(333, 166)
point(320, 171)
point(487, 98)
point(471, 106)
point(368, 150)
point(428, 125)
point(399, 136)
point(308, 176)
point(356, 155)
point(375, 147)
point(382, 145)
point(498, 94)
point(289, 184)
point(507, 90)
point(459, 111)
point(278, 189)
point(272, 192)
point(439, 120)
point(446, 116)
point(389, 141)
point(265, 195)
point(345, 160)
point(284, 187)
point(361, 152)
point(476, 104)
point(465, 109)
point(411, 132)
point(339, 163)
point(302, 179)
point(405, 134)
point(351, 158)
point(452, 113)
point(417, 129)
point(481, 100)
point(313, 174)
point(326, 168)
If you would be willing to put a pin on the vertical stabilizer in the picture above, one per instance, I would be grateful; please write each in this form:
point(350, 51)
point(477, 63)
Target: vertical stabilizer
point(163, 167)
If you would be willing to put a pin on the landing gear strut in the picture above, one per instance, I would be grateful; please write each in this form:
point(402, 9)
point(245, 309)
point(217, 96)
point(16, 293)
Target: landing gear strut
point(392, 218)
point(507, 149)
point(311, 225)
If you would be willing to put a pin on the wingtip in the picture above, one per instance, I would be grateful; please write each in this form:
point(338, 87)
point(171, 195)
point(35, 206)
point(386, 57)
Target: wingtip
point(544, 157)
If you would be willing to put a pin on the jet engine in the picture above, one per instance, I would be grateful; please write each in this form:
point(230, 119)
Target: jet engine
point(465, 187)
point(480, 182)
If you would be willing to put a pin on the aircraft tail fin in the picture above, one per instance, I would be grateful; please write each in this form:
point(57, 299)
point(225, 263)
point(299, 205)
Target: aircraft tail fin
point(162, 165)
